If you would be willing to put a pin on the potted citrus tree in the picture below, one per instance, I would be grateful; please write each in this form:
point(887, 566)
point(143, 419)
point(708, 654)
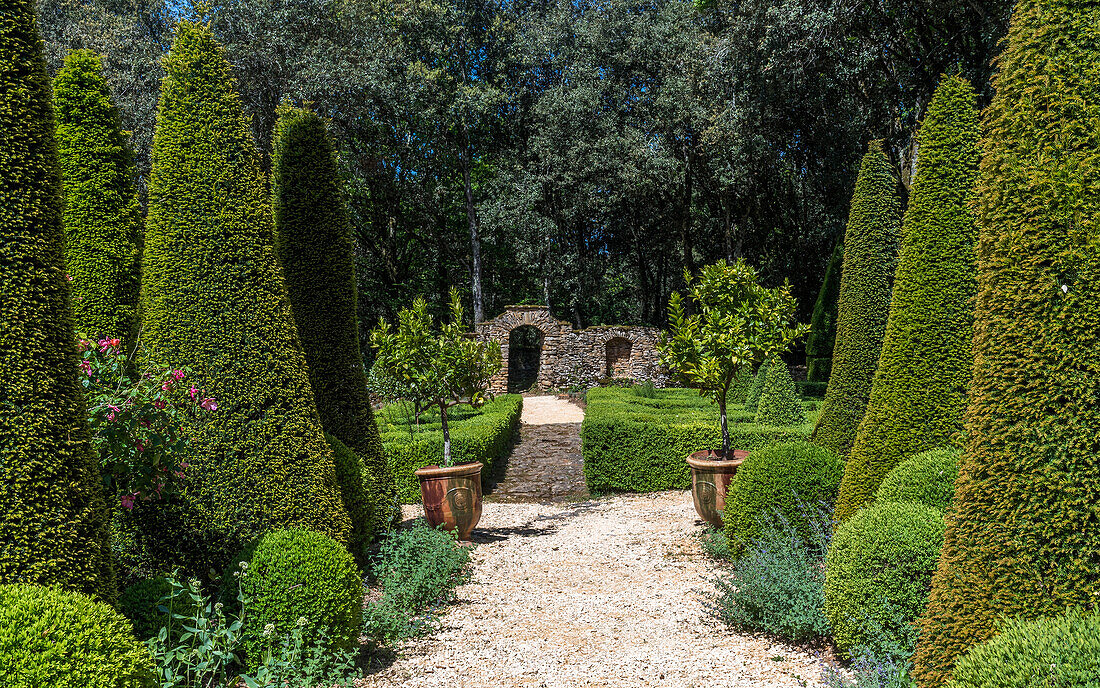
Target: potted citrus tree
point(439, 369)
point(734, 324)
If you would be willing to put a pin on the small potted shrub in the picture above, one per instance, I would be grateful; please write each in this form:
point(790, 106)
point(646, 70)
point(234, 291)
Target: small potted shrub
point(735, 324)
point(440, 369)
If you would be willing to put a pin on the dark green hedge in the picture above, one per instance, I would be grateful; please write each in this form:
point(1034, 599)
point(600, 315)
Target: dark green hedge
point(811, 390)
point(819, 345)
point(1023, 537)
point(919, 391)
point(635, 444)
point(53, 520)
point(213, 298)
point(367, 507)
point(484, 435)
point(870, 256)
point(102, 217)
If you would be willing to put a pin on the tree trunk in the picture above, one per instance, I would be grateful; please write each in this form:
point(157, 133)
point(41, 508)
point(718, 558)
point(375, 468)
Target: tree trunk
point(685, 220)
point(475, 242)
point(725, 427)
point(447, 435)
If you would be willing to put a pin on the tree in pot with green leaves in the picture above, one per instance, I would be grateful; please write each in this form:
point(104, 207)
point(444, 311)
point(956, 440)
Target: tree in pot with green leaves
point(734, 324)
point(439, 369)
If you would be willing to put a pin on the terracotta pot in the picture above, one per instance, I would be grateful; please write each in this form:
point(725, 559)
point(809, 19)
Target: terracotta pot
point(452, 497)
point(711, 474)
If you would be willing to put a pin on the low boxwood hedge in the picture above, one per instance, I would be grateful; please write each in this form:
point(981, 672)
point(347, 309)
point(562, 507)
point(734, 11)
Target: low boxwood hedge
point(632, 443)
point(483, 435)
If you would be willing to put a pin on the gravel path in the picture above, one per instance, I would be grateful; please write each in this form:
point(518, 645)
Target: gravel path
point(599, 593)
point(545, 410)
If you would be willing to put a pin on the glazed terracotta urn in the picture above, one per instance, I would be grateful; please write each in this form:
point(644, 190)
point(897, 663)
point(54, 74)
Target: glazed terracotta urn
point(711, 475)
point(452, 498)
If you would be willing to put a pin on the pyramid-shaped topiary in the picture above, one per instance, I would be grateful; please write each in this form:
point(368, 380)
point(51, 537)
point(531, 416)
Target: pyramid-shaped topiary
point(754, 387)
point(870, 256)
point(819, 345)
point(313, 241)
point(53, 519)
point(779, 402)
point(213, 298)
point(1023, 538)
point(919, 392)
point(102, 217)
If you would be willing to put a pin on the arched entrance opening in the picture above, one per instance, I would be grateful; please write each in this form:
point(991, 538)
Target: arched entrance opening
point(618, 358)
point(524, 356)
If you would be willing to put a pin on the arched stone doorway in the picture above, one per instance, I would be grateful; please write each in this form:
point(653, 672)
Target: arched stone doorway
point(524, 358)
point(618, 358)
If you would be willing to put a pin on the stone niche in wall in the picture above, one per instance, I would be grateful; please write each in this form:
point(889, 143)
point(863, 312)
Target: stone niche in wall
point(550, 354)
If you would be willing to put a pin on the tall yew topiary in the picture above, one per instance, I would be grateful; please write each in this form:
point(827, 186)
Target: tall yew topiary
point(313, 241)
point(213, 298)
point(53, 518)
point(919, 392)
point(870, 256)
point(819, 345)
point(1023, 539)
point(102, 217)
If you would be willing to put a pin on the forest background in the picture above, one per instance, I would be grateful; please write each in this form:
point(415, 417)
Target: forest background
point(574, 153)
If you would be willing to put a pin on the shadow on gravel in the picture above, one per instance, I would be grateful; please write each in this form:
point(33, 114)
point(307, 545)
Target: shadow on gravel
point(550, 524)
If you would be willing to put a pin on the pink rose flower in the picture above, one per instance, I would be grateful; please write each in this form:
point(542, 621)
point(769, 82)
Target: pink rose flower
point(86, 367)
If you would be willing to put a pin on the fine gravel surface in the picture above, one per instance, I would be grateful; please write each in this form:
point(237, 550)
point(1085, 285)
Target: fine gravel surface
point(605, 593)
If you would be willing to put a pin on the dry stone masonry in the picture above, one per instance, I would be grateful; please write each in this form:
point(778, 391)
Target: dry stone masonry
point(553, 355)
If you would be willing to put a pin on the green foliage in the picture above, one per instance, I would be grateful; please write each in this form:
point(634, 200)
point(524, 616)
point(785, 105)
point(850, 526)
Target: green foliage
point(1056, 652)
point(927, 478)
point(870, 256)
point(777, 584)
point(815, 390)
point(436, 369)
point(1022, 539)
point(102, 216)
point(779, 402)
point(791, 479)
point(756, 388)
point(633, 444)
point(53, 520)
point(295, 574)
point(138, 602)
point(484, 435)
point(213, 298)
point(715, 543)
point(367, 507)
point(819, 345)
point(735, 323)
point(919, 391)
point(313, 241)
point(416, 570)
point(49, 637)
point(878, 570)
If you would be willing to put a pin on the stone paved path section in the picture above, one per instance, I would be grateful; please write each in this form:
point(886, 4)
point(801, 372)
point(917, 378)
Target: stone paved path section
point(546, 464)
point(600, 593)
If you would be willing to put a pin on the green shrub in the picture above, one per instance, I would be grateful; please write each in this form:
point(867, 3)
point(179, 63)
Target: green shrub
point(295, 574)
point(919, 391)
point(138, 603)
point(779, 403)
point(791, 479)
point(777, 585)
point(739, 390)
point(49, 637)
point(878, 570)
point(313, 241)
point(631, 444)
point(870, 255)
point(477, 435)
point(819, 345)
point(1056, 652)
point(1023, 538)
point(213, 298)
point(102, 215)
point(417, 570)
point(756, 388)
point(53, 520)
point(362, 498)
point(927, 478)
point(808, 389)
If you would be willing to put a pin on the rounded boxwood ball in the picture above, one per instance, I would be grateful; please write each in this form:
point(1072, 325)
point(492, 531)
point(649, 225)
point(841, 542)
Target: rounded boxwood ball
point(927, 478)
point(791, 478)
point(295, 574)
point(50, 637)
point(878, 571)
point(1061, 651)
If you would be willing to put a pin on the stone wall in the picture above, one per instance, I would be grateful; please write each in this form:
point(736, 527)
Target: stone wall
point(577, 357)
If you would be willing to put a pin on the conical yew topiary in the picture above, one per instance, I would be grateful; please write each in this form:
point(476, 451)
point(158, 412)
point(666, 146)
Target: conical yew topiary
point(919, 392)
point(779, 401)
point(1023, 538)
point(313, 241)
point(102, 217)
point(870, 256)
point(819, 345)
point(53, 519)
point(213, 298)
